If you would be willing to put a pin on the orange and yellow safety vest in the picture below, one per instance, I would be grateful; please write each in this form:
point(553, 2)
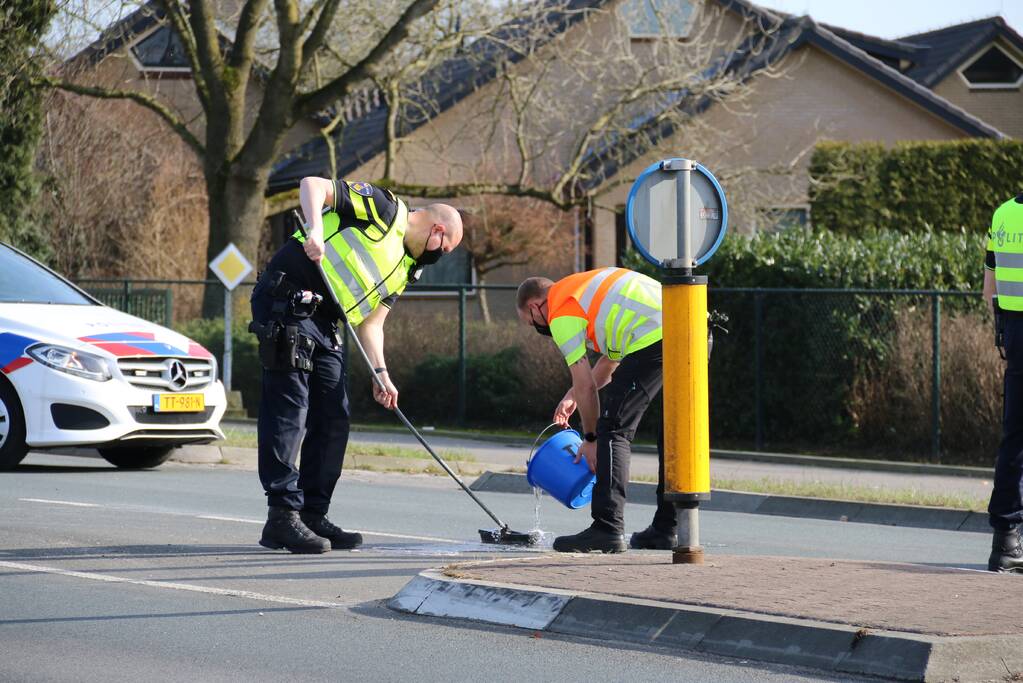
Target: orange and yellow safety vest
point(613, 311)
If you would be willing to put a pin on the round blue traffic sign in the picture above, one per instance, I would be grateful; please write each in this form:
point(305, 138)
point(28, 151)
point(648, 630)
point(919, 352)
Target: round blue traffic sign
point(676, 214)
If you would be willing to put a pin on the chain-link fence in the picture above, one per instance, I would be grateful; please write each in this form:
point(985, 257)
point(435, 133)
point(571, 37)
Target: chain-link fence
point(899, 374)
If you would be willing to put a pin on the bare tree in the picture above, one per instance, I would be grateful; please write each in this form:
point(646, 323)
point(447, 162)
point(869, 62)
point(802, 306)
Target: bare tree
point(236, 150)
point(564, 109)
point(567, 111)
point(566, 92)
point(505, 231)
point(114, 205)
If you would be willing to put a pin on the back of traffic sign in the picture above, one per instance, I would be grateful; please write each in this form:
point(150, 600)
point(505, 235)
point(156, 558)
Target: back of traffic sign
point(676, 214)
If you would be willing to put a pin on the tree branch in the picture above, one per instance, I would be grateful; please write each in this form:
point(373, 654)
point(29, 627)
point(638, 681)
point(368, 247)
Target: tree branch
point(207, 44)
point(179, 23)
point(314, 40)
point(245, 35)
point(314, 101)
point(151, 103)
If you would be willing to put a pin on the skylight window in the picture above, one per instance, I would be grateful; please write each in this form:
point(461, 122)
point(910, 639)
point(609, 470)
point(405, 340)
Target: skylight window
point(657, 18)
point(161, 50)
point(993, 69)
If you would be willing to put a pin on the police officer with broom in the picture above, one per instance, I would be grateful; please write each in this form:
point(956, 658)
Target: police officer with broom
point(370, 246)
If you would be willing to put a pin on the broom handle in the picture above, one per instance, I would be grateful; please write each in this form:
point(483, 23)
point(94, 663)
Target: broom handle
point(397, 410)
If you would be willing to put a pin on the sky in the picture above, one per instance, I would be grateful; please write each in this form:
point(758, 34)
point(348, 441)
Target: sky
point(894, 18)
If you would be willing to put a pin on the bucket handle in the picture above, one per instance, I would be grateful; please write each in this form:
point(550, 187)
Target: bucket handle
point(533, 448)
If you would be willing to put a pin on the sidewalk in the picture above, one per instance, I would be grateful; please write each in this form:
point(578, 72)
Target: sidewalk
point(909, 622)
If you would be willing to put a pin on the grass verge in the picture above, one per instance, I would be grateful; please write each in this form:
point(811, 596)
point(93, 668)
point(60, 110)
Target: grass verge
point(859, 494)
point(239, 438)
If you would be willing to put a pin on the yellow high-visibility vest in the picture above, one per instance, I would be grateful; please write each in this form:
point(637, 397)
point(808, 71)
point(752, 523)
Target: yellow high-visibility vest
point(365, 263)
point(1005, 239)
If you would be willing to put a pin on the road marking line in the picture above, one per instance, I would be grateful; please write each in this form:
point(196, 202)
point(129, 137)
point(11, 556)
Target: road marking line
point(414, 538)
point(243, 520)
point(218, 518)
point(173, 586)
point(60, 502)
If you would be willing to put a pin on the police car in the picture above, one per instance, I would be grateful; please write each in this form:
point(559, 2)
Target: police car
point(74, 372)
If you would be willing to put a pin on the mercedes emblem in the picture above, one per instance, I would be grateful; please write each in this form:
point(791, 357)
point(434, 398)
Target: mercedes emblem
point(176, 375)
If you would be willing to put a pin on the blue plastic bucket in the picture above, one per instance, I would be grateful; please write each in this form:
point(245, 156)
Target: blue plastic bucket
point(551, 468)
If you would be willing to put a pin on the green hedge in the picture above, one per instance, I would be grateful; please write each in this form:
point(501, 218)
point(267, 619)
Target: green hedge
point(912, 186)
point(821, 259)
point(246, 371)
point(817, 347)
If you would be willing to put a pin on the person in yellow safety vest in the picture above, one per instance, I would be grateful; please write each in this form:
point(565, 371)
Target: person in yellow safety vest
point(370, 246)
point(617, 313)
point(1003, 289)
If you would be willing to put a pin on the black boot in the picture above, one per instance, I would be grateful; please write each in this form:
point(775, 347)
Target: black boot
point(653, 538)
point(590, 540)
point(338, 537)
point(284, 529)
point(1006, 552)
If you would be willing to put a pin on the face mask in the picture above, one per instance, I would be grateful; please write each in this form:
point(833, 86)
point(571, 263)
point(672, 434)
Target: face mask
point(545, 330)
point(430, 256)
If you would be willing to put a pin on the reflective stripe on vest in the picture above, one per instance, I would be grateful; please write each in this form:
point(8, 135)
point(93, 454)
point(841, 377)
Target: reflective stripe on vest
point(623, 313)
point(361, 270)
point(1005, 239)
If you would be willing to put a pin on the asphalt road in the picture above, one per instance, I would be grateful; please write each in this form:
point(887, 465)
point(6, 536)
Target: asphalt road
point(109, 575)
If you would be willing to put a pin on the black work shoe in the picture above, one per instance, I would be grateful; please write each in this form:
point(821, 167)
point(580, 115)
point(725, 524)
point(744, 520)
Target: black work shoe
point(284, 529)
point(338, 537)
point(653, 538)
point(1006, 552)
point(590, 540)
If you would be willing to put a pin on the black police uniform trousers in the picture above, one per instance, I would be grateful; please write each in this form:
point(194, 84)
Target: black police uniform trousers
point(294, 401)
point(1005, 510)
point(636, 382)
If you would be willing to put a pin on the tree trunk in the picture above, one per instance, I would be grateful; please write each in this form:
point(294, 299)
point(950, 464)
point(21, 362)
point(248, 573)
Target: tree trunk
point(484, 304)
point(236, 216)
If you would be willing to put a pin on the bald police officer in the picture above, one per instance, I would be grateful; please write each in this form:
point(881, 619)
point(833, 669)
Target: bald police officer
point(370, 245)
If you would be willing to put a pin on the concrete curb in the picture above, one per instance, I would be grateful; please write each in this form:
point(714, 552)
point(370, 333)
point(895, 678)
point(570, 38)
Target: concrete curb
point(830, 647)
point(946, 519)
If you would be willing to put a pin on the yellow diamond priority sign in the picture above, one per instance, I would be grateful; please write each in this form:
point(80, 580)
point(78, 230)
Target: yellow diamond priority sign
point(230, 266)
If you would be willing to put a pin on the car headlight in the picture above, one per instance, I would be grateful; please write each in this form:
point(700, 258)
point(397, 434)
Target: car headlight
point(71, 361)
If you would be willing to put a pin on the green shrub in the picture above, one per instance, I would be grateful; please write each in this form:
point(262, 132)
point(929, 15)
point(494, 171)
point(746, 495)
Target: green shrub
point(246, 371)
point(953, 185)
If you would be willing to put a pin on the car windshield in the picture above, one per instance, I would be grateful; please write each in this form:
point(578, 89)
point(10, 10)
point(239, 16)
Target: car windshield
point(22, 280)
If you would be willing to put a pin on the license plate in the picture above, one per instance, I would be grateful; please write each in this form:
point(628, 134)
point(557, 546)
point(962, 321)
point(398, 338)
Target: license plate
point(179, 403)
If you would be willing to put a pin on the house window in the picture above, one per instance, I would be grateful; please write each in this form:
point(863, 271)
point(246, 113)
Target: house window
point(777, 218)
point(161, 50)
point(994, 68)
point(657, 18)
point(453, 268)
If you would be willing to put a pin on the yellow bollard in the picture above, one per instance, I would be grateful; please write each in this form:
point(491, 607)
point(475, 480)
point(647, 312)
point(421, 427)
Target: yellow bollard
point(686, 406)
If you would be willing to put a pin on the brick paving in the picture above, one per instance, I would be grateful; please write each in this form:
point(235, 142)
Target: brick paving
point(875, 595)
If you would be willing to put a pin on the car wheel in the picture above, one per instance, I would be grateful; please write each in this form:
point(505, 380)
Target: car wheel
point(12, 428)
point(137, 457)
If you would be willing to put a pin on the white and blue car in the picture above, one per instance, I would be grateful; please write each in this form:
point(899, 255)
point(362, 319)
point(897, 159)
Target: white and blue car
point(74, 372)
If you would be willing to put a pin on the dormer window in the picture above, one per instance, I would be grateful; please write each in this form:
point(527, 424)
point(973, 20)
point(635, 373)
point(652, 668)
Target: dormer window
point(657, 18)
point(161, 51)
point(994, 68)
